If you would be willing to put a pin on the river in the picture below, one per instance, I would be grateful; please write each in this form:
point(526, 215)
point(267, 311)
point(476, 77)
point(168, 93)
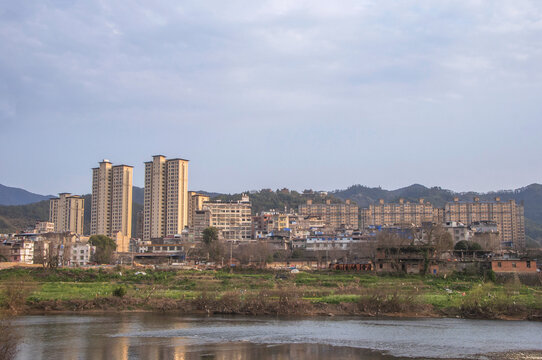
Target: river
point(167, 336)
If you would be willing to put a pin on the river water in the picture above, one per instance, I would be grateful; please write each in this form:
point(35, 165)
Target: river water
point(167, 336)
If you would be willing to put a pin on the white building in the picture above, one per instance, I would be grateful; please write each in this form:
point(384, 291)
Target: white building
point(459, 231)
point(81, 254)
point(17, 251)
point(317, 243)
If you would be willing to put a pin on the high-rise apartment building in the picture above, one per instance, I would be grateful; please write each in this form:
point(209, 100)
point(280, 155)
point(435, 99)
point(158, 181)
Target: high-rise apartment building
point(165, 208)
point(334, 216)
point(403, 213)
point(111, 211)
point(195, 203)
point(67, 213)
point(508, 215)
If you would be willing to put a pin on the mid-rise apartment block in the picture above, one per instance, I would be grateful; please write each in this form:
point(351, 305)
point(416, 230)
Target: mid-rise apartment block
point(403, 213)
point(508, 215)
point(232, 219)
point(165, 208)
point(195, 203)
point(67, 213)
point(111, 212)
point(335, 216)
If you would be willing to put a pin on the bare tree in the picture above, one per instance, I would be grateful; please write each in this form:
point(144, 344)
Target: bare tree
point(259, 252)
point(436, 237)
point(390, 245)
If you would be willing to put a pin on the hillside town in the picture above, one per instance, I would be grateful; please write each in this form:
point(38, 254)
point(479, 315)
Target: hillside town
point(181, 228)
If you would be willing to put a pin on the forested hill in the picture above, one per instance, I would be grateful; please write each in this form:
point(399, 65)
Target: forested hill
point(16, 196)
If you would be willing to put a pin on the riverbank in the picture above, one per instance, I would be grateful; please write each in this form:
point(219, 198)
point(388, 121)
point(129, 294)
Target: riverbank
point(258, 292)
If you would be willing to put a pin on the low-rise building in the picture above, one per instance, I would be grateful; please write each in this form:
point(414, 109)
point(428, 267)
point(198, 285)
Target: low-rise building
point(513, 266)
point(459, 231)
point(323, 243)
point(81, 254)
point(43, 227)
point(17, 251)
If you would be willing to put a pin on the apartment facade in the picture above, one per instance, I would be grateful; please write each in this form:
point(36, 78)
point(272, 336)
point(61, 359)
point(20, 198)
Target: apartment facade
point(111, 212)
point(335, 216)
point(195, 203)
point(232, 219)
point(67, 213)
point(508, 215)
point(401, 213)
point(165, 208)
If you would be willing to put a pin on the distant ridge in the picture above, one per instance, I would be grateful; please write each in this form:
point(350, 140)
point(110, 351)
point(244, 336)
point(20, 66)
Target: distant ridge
point(16, 196)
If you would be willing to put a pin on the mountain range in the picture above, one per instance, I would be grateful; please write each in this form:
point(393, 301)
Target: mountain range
point(20, 208)
point(16, 196)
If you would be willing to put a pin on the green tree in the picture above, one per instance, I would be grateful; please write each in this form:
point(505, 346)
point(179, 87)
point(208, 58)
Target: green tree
point(462, 245)
point(210, 235)
point(212, 246)
point(105, 248)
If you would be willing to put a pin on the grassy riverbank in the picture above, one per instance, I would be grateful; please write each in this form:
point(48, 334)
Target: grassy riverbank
point(262, 292)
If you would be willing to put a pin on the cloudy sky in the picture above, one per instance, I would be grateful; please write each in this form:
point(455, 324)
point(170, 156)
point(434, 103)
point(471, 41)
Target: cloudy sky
point(299, 94)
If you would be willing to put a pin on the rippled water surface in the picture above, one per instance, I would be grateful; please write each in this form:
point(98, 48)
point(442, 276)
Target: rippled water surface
point(163, 336)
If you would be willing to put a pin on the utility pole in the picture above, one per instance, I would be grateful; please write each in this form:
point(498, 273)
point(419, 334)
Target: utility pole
point(231, 256)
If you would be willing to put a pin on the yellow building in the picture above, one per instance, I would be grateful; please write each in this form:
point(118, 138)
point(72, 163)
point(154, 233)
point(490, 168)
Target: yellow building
point(195, 203)
point(508, 216)
point(165, 208)
point(335, 216)
point(67, 213)
point(111, 211)
point(402, 213)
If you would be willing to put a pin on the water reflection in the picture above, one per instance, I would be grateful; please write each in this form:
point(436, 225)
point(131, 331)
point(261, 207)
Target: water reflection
point(159, 336)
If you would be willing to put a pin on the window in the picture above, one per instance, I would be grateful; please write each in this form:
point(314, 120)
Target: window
point(513, 265)
point(529, 264)
point(499, 264)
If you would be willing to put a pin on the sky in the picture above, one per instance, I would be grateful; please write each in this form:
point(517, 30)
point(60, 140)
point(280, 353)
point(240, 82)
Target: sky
point(312, 94)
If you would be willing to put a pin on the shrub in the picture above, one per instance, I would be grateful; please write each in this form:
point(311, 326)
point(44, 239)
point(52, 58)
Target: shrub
point(9, 339)
point(119, 291)
point(15, 293)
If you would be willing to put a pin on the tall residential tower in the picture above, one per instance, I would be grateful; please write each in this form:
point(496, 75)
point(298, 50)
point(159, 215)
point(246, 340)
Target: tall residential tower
point(67, 213)
point(111, 212)
point(166, 197)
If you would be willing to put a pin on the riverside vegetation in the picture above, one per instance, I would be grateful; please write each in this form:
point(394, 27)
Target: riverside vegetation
point(261, 292)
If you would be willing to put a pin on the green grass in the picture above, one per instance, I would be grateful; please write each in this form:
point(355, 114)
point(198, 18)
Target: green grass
point(68, 291)
point(317, 287)
point(335, 299)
